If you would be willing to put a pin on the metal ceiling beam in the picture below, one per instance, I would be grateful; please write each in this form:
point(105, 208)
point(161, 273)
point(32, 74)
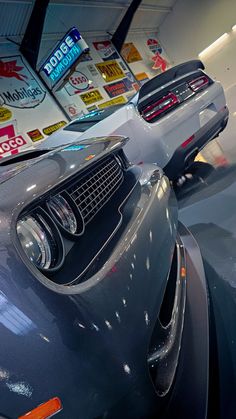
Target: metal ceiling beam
point(17, 1)
point(120, 34)
point(96, 4)
point(110, 5)
point(30, 44)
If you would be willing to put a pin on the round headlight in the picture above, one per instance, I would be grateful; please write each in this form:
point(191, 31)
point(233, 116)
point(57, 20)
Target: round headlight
point(38, 241)
point(63, 213)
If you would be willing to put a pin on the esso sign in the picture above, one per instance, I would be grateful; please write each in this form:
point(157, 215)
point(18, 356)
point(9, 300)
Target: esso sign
point(12, 144)
point(79, 81)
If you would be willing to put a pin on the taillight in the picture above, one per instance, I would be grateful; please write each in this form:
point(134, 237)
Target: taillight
point(186, 142)
point(199, 83)
point(162, 105)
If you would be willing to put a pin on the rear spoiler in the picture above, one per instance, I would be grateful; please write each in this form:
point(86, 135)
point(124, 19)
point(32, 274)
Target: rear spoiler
point(169, 75)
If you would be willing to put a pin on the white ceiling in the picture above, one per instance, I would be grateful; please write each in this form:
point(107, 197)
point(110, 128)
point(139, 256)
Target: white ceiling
point(91, 17)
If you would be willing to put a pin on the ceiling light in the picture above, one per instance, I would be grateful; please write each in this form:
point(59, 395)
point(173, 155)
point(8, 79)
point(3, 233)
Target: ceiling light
point(214, 44)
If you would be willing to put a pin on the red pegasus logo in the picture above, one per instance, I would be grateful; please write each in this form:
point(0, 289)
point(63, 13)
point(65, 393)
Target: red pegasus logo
point(11, 69)
point(159, 62)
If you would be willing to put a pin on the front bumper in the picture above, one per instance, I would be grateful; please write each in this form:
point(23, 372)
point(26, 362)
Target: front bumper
point(88, 344)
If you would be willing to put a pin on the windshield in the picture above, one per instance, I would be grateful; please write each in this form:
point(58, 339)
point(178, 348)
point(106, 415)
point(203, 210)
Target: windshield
point(87, 121)
point(81, 124)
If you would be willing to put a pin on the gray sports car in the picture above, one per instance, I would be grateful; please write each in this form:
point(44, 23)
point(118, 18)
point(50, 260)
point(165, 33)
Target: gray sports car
point(103, 306)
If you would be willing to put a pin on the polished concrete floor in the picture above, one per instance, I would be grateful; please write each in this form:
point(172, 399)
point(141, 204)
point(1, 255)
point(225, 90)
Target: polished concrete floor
point(207, 205)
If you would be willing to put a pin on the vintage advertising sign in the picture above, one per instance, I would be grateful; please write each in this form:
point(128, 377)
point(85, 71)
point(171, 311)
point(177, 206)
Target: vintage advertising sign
point(91, 97)
point(19, 88)
point(92, 69)
point(35, 135)
point(110, 70)
point(91, 108)
point(5, 114)
point(123, 66)
point(154, 46)
point(13, 144)
point(117, 101)
point(142, 77)
point(130, 77)
point(60, 61)
point(54, 127)
point(118, 88)
point(74, 110)
point(20, 91)
point(78, 83)
point(130, 53)
point(159, 62)
point(106, 50)
point(85, 57)
point(10, 141)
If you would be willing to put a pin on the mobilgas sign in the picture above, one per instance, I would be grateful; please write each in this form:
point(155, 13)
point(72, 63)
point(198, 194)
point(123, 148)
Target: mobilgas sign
point(66, 53)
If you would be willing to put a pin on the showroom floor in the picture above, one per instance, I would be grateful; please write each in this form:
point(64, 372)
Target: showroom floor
point(208, 208)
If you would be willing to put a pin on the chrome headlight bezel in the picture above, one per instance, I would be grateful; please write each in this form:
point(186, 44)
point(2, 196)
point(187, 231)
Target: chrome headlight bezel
point(46, 238)
point(66, 208)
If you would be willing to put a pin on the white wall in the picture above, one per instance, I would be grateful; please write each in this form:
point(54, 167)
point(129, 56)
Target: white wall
point(145, 65)
point(195, 24)
point(191, 27)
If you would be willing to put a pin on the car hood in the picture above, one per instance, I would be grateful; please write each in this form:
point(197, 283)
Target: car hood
point(81, 151)
point(24, 181)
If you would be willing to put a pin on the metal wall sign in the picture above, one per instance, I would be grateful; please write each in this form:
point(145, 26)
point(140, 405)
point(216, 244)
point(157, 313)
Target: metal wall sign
point(64, 55)
point(19, 86)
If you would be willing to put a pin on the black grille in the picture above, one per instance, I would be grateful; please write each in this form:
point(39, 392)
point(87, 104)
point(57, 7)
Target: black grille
point(93, 190)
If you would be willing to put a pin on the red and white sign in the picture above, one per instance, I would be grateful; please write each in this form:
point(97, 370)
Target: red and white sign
point(26, 107)
point(13, 144)
point(19, 88)
point(154, 45)
point(106, 50)
point(79, 83)
point(159, 62)
point(10, 142)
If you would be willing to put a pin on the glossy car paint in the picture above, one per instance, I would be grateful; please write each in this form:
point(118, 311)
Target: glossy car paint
point(88, 344)
point(156, 142)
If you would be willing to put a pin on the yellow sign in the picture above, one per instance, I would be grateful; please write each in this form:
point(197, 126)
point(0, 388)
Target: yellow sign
point(116, 101)
point(52, 128)
point(130, 53)
point(141, 76)
point(110, 70)
point(91, 97)
point(35, 135)
point(5, 114)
